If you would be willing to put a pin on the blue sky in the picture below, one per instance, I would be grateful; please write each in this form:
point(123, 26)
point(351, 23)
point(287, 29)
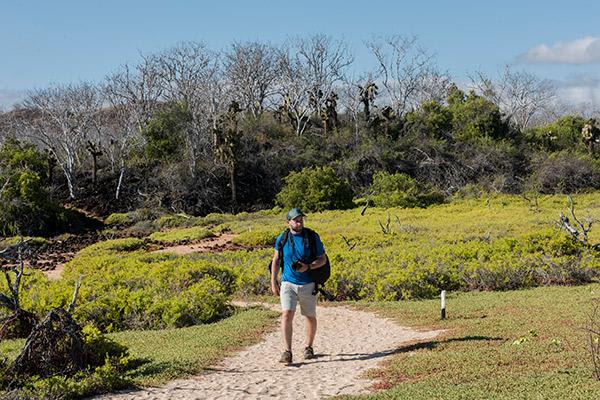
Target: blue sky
point(46, 42)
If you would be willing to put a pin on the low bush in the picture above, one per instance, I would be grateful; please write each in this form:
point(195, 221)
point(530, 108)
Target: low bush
point(565, 172)
point(119, 219)
point(315, 189)
point(400, 190)
point(178, 221)
point(257, 237)
point(179, 236)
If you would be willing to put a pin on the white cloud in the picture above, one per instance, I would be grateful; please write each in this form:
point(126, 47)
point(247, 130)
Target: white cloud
point(580, 51)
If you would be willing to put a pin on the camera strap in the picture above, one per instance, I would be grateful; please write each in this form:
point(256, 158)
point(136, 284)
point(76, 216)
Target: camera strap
point(295, 254)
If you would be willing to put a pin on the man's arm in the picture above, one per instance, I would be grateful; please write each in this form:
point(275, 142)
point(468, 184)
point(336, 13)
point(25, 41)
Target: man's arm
point(318, 263)
point(274, 273)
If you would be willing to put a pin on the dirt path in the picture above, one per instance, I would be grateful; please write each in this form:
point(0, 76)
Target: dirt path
point(217, 243)
point(348, 343)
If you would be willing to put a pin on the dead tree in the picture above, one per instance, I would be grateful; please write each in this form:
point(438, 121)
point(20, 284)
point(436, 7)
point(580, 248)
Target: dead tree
point(580, 231)
point(20, 323)
point(251, 70)
point(55, 347)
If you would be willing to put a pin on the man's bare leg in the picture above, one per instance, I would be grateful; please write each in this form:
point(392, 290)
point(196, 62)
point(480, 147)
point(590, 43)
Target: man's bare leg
point(287, 325)
point(311, 330)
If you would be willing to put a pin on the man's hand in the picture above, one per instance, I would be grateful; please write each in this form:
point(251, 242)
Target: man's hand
point(275, 288)
point(304, 267)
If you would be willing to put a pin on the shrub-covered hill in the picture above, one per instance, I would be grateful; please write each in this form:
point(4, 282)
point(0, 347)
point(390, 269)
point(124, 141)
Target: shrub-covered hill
point(488, 243)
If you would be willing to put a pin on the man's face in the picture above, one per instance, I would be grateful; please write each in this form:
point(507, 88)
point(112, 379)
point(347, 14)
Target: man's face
point(296, 224)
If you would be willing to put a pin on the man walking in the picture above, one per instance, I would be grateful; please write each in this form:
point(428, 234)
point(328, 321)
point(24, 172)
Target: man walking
point(296, 283)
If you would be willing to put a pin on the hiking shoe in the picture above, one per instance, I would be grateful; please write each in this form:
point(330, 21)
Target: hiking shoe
point(309, 353)
point(286, 357)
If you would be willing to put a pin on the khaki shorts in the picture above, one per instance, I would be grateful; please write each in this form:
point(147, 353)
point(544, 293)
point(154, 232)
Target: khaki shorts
point(290, 294)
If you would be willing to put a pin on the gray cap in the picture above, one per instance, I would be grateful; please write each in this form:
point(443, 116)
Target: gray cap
point(294, 213)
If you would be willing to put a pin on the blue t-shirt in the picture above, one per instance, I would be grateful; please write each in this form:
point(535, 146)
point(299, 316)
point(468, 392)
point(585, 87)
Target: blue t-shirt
point(299, 251)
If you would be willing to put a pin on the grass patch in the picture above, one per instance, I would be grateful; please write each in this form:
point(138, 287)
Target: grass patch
point(176, 353)
point(497, 345)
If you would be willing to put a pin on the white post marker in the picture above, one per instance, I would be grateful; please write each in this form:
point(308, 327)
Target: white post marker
point(443, 300)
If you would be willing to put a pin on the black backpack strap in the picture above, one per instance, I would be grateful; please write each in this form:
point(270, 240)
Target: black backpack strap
point(284, 238)
point(312, 243)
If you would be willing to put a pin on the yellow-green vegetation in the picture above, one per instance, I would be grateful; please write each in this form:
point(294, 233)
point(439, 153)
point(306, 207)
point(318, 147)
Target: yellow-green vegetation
point(113, 246)
point(118, 219)
point(182, 235)
point(526, 344)
point(257, 236)
point(31, 241)
point(487, 243)
point(136, 290)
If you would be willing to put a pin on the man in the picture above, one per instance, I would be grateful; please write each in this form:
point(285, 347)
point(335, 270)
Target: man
point(296, 284)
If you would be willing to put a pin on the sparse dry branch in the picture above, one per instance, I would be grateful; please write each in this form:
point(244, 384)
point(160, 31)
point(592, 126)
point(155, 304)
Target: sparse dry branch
point(578, 232)
point(71, 307)
point(350, 245)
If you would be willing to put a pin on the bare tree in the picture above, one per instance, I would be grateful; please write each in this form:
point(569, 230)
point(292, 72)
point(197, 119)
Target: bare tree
point(309, 71)
point(189, 74)
point(351, 101)
point(294, 90)
point(325, 62)
point(520, 95)
point(61, 119)
point(251, 70)
point(133, 97)
point(406, 72)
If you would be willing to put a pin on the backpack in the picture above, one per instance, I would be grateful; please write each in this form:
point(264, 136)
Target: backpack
point(319, 275)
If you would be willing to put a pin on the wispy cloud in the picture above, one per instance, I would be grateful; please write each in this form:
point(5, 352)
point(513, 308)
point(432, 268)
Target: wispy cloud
point(580, 51)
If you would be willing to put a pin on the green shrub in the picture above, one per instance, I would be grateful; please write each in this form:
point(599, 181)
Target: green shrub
point(257, 237)
point(25, 204)
point(315, 189)
point(119, 219)
point(469, 191)
point(400, 190)
point(139, 291)
point(165, 134)
point(99, 347)
point(177, 221)
point(178, 236)
point(141, 228)
point(114, 246)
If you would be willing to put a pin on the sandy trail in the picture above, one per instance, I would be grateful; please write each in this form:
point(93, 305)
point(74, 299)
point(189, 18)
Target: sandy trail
point(212, 244)
point(348, 343)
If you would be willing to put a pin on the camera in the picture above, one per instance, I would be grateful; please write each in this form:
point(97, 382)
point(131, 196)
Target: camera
point(296, 265)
